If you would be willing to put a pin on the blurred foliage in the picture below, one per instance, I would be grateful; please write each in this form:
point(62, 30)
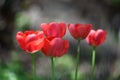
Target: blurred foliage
point(81, 76)
point(115, 2)
point(14, 70)
point(22, 21)
point(61, 62)
point(116, 73)
point(64, 65)
point(65, 68)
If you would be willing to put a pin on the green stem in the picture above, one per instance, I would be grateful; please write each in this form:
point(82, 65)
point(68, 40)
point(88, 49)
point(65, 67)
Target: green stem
point(93, 62)
point(77, 61)
point(33, 66)
point(52, 64)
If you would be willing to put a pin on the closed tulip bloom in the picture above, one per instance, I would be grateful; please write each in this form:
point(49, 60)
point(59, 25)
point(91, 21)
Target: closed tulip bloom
point(30, 41)
point(79, 31)
point(96, 37)
point(55, 47)
point(54, 29)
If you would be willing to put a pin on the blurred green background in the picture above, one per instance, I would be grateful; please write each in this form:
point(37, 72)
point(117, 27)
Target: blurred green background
point(21, 15)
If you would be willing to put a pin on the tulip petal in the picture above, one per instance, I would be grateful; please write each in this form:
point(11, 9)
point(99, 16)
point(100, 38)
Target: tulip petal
point(31, 37)
point(20, 39)
point(28, 32)
point(46, 48)
point(65, 47)
point(56, 46)
point(100, 36)
point(44, 27)
point(62, 29)
point(35, 45)
point(72, 30)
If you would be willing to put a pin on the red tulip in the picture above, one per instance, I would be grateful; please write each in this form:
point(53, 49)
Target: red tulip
point(30, 41)
point(96, 37)
point(55, 47)
point(54, 29)
point(79, 31)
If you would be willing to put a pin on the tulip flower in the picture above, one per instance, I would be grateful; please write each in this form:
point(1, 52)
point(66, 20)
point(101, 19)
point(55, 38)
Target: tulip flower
point(55, 47)
point(95, 38)
point(31, 42)
point(79, 32)
point(53, 29)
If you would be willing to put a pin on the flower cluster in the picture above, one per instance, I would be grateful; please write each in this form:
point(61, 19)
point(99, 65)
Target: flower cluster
point(54, 46)
point(85, 31)
point(50, 39)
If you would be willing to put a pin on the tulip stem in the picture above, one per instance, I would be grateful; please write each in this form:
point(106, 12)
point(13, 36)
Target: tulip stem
point(77, 61)
point(52, 65)
point(93, 62)
point(33, 66)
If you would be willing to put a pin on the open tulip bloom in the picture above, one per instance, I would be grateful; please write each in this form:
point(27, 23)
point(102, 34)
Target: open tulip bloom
point(55, 47)
point(31, 42)
point(79, 32)
point(95, 38)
